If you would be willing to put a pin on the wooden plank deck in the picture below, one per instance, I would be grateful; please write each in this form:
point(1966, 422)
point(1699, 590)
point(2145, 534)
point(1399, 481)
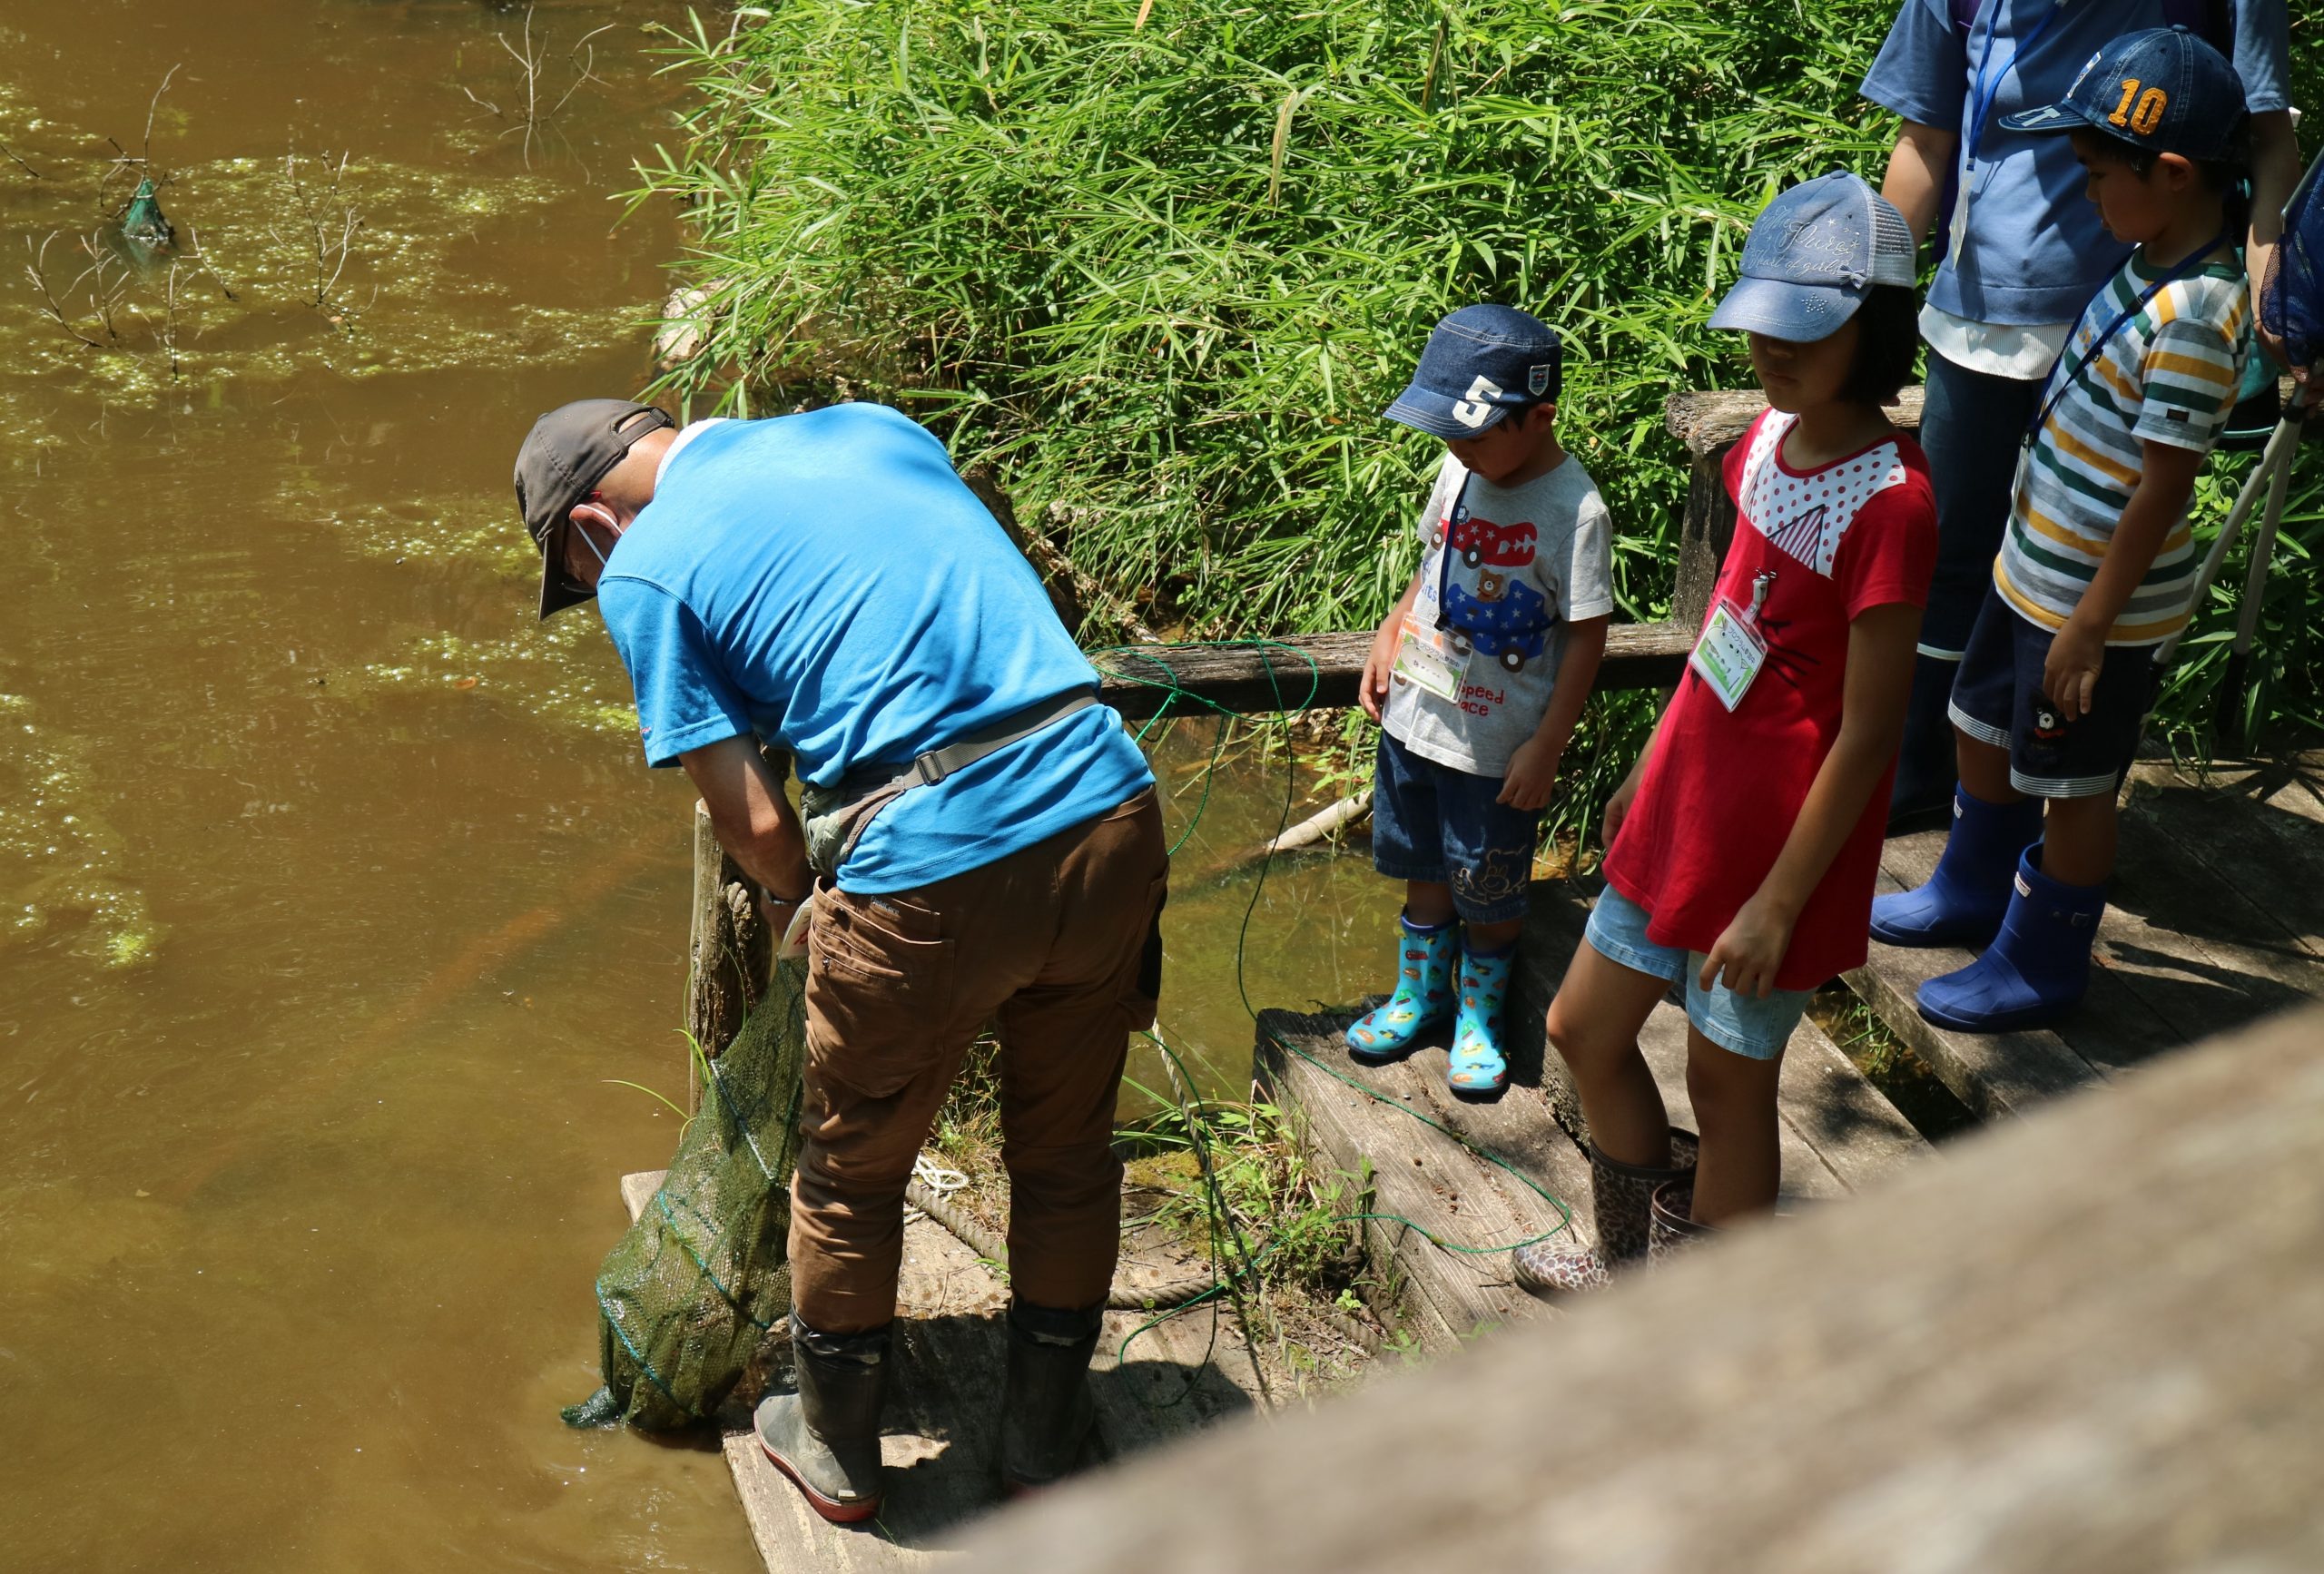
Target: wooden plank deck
point(1840, 1133)
point(943, 1430)
point(2216, 918)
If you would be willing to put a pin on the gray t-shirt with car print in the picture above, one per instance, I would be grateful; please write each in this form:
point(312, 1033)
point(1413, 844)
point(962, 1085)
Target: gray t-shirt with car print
point(1502, 573)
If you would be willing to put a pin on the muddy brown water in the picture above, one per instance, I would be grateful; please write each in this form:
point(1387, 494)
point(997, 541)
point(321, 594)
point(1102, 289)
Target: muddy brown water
point(332, 891)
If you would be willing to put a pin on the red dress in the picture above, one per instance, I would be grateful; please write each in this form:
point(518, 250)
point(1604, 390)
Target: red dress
point(1723, 788)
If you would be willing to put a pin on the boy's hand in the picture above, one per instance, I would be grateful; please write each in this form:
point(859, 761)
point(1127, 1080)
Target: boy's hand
point(1533, 775)
point(2070, 673)
point(1750, 950)
point(1372, 693)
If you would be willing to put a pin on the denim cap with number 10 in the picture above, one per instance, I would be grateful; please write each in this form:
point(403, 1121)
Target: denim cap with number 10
point(1481, 363)
point(1814, 254)
point(2163, 90)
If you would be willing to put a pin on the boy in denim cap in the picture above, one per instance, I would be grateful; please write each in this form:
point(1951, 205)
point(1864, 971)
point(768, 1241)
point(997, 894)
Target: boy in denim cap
point(2098, 566)
point(1477, 677)
point(2019, 253)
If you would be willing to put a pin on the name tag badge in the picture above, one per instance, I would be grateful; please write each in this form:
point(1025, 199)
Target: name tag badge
point(1958, 231)
point(1426, 657)
point(1729, 654)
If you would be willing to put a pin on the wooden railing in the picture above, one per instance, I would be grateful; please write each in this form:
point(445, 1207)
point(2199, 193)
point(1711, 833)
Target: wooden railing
point(2086, 1340)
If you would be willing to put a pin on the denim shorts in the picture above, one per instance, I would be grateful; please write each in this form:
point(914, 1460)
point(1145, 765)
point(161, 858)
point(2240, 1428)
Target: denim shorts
point(1997, 699)
point(1755, 1029)
point(1431, 822)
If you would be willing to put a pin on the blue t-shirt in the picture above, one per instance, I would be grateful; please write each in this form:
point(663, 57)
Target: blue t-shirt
point(2035, 251)
point(825, 581)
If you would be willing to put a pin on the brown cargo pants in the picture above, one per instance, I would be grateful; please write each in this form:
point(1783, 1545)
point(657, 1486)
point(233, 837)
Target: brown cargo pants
point(1057, 945)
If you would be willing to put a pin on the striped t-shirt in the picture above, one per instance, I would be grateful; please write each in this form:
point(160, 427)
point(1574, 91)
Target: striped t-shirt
point(2168, 375)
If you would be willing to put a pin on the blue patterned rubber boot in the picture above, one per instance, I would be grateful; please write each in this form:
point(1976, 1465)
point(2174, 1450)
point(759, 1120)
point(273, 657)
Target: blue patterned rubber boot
point(1479, 1069)
point(1424, 996)
point(2038, 968)
point(1968, 891)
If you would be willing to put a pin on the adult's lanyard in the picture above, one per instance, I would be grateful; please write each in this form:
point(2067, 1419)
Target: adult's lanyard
point(1987, 86)
point(2186, 266)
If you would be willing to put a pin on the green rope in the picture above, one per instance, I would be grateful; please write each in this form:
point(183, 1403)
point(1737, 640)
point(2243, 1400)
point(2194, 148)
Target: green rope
point(1175, 692)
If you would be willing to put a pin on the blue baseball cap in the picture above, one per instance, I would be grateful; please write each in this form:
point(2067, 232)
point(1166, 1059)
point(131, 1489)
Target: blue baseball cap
point(1482, 362)
point(1815, 253)
point(2163, 90)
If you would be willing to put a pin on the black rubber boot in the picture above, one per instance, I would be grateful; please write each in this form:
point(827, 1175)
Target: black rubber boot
point(826, 1436)
point(1047, 1412)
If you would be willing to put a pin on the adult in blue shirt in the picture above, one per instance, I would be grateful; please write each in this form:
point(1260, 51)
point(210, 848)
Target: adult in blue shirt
point(2023, 251)
point(986, 845)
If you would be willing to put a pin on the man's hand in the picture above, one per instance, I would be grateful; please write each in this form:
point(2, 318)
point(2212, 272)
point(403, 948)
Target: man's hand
point(1533, 775)
point(1379, 663)
point(2070, 673)
point(787, 922)
point(1750, 950)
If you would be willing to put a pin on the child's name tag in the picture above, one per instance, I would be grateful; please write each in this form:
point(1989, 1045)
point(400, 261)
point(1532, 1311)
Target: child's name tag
point(1729, 654)
point(1426, 657)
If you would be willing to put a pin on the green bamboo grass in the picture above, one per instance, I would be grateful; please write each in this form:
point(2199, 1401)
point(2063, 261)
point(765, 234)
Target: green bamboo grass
point(1166, 278)
point(1162, 265)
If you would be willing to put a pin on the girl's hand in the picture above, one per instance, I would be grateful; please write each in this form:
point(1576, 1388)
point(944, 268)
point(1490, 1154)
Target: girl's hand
point(2070, 673)
point(1750, 950)
point(1533, 774)
point(1379, 663)
point(1617, 807)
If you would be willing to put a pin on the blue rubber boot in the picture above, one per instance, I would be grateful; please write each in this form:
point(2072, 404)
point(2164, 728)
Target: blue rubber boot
point(1424, 996)
point(2038, 968)
point(1964, 900)
point(1478, 1069)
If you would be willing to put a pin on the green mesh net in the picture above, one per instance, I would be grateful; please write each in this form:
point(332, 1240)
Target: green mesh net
point(688, 1295)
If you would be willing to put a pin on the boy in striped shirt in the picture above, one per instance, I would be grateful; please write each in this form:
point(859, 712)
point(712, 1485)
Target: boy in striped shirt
point(2098, 565)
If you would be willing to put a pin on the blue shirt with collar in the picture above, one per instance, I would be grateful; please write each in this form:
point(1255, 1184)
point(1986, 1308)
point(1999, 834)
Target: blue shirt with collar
point(2035, 251)
point(825, 581)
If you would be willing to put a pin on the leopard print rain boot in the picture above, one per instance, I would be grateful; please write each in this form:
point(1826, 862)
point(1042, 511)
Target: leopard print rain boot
point(1621, 1200)
point(1671, 1227)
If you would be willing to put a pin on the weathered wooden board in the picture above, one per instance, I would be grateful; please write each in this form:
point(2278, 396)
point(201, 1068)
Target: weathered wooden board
point(2260, 826)
point(1316, 671)
point(1423, 1177)
point(1838, 1131)
point(2086, 1343)
point(942, 1433)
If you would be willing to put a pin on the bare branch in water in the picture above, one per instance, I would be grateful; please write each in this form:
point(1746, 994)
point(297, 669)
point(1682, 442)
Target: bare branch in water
point(154, 109)
point(36, 270)
point(17, 159)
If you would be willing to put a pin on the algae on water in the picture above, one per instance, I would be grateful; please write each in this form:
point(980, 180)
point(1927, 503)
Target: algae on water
point(60, 863)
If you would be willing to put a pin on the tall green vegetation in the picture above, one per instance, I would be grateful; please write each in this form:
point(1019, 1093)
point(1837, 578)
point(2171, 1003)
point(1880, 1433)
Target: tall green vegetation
point(1161, 262)
point(1165, 276)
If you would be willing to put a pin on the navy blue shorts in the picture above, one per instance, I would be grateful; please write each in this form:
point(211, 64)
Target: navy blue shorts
point(1432, 822)
point(1997, 699)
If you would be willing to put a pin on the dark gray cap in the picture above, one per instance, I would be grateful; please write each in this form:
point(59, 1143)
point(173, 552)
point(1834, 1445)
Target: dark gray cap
point(568, 451)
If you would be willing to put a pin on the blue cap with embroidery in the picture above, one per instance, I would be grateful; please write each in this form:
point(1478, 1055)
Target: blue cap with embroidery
point(2163, 90)
point(1481, 363)
point(1813, 255)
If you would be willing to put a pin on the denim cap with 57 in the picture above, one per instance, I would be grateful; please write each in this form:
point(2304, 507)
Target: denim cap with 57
point(1815, 253)
point(1482, 362)
point(2165, 91)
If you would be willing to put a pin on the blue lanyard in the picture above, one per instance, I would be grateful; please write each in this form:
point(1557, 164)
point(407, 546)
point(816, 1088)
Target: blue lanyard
point(2186, 265)
point(1444, 561)
point(1987, 86)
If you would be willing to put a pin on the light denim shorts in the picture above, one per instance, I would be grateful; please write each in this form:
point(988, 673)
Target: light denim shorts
point(1756, 1030)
